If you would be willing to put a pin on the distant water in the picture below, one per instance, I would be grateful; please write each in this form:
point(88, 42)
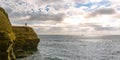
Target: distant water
point(63, 47)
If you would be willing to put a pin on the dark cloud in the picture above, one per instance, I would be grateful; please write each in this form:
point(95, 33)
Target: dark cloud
point(17, 9)
point(102, 28)
point(44, 17)
point(50, 1)
point(55, 29)
point(40, 16)
point(102, 11)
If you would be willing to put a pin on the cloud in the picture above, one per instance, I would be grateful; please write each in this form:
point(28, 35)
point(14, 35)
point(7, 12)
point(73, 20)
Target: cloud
point(103, 28)
point(102, 11)
point(56, 29)
point(117, 16)
point(41, 10)
point(49, 1)
point(37, 17)
point(49, 16)
point(44, 17)
point(92, 4)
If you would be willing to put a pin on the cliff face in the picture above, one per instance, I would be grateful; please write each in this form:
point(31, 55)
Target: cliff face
point(26, 41)
point(6, 37)
point(23, 40)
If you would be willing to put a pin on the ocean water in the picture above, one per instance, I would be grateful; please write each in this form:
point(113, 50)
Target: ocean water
point(72, 47)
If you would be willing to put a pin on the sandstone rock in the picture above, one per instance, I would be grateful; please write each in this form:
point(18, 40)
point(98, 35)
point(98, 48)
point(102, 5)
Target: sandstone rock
point(6, 37)
point(26, 41)
point(22, 39)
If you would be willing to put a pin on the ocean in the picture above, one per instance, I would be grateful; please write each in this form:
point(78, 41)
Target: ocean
point(75, 47)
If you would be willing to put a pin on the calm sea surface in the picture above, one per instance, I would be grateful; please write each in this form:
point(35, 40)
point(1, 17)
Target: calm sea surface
point(64, 47)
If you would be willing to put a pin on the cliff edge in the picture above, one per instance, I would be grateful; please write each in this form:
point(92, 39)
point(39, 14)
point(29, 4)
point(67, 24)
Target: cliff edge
point(15, 41)
point(26, 41)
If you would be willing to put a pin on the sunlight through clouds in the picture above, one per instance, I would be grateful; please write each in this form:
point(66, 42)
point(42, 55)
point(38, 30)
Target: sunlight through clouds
point(74, 20)
point(75, 16)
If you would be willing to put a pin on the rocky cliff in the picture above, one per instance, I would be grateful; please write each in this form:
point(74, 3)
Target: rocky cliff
point(26, 41)
point(22, 39)
point(6, 37)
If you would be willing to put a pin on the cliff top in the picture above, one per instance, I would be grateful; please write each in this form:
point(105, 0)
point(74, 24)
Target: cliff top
point(24, 32)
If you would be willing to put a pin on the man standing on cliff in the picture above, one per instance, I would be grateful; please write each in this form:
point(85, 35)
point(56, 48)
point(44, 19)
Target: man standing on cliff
point(25, 24)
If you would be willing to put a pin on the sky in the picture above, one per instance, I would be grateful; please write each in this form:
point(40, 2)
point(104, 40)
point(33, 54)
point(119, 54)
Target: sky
point(66, 17)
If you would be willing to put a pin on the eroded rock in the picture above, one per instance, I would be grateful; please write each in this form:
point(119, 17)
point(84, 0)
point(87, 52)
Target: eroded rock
point(26, 41)
point(7, 37)
point(15, 41)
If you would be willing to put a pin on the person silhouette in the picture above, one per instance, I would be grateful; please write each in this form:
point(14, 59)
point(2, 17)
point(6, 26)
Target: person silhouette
point(25, 24)
point(26, 27)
